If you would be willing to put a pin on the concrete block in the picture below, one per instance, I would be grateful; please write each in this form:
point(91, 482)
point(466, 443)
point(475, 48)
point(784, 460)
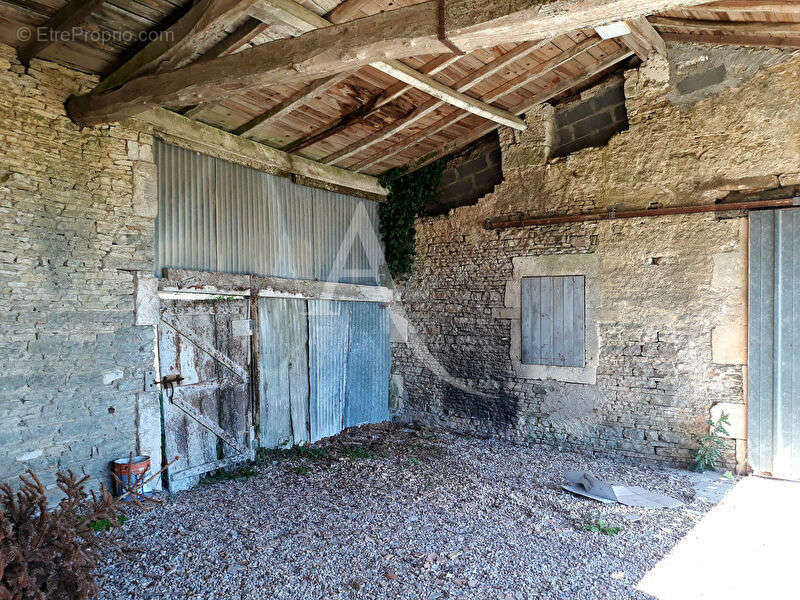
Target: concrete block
point(701, 80)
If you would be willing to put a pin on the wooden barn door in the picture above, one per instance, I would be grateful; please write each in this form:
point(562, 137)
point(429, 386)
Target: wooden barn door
point(207, 414)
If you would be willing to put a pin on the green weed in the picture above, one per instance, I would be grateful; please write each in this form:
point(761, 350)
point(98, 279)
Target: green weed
point(103, 524)
point(598, 525)
point(357, 452)
point(712, 445)
point(243, 472)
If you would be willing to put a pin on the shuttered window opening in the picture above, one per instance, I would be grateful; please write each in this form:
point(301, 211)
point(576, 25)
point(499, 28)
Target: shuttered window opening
point(553, 321)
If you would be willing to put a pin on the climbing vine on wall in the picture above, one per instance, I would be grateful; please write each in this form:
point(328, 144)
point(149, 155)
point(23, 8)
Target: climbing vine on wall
point(408, 195)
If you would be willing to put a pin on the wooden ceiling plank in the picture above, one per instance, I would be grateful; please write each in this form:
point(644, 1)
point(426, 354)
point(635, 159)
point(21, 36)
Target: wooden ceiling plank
point(176, 46)
point(407, 31)
point(369, 108)
point(316, 87)
point(236, 41)
point(72, 15)
point(348, 10)
point(481, 131)
point(307, 20)
point(463, 84)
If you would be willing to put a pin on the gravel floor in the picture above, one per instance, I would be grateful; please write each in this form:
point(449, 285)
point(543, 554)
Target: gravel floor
point(390, 512)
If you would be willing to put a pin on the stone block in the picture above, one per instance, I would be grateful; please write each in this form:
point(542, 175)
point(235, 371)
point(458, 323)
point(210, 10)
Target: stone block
point(729, 344)
point(737, 415)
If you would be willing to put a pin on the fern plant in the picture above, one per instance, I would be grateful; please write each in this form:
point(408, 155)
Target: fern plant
point(711, 450)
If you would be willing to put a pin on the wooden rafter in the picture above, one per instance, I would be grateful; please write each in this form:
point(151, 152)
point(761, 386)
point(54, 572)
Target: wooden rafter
point(738, 7)
point(464, 83)
point(728, 27)
point(315, 88)
point(347, 10)
point(400, 33)
point(206, 20)
point(236, 41)
point(370, 107)
point(644, 39)
point(72, 15)
point(725, 39)
point(521, 108)
point(306, 20)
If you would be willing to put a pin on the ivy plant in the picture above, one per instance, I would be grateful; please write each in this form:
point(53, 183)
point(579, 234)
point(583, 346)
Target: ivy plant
point(408, 195)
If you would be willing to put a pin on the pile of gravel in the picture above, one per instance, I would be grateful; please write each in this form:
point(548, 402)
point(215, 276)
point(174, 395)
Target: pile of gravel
point(391, 512)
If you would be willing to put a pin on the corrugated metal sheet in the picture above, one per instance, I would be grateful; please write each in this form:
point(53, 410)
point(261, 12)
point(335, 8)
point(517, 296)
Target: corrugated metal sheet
point(368, 365)
point(218, 216)
point(774, 372)
point(283, 369)
point(328, 344)
point(553, 322)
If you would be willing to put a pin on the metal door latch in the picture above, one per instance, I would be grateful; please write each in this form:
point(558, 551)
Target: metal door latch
point(169, 382)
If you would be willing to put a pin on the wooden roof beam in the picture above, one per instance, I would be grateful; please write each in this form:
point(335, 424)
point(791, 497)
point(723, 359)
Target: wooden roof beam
point(728, 27)
point(235, 41)
point(347, 10)
point(430, 68)
point(304, 19)
point(407, 31)
point(72, 15)
point(176, 46)
point(521, 108)
point(738, 7)
point(464, 83)
point(644, 39)
point(202, 137)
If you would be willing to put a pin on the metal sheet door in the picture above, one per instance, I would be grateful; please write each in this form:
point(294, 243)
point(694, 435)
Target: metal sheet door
point(206, 416)
point(328, 345)
point(283, 370)
point(368, 365)
point(774, 371)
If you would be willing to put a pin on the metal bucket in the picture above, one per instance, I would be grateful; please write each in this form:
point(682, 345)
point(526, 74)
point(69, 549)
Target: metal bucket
point(133, 473)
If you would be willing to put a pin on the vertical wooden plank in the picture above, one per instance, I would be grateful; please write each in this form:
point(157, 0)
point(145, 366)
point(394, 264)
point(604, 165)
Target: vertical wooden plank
point(547, 320)
point(559, 347)
point(579, 321)
point(530, 293)
point(569, 322)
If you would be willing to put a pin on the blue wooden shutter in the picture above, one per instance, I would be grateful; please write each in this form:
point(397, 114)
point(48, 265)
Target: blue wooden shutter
point(553, 321)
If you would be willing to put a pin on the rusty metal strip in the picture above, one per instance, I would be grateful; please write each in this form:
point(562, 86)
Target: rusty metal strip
point(210, 350)
point(208, 424)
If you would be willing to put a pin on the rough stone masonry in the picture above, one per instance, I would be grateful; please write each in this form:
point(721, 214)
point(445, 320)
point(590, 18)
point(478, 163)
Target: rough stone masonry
point(77, 215)
point(666, 297)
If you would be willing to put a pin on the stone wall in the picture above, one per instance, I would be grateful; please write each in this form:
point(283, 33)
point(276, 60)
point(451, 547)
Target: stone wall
point(671, 291)
point(591, 119)
point(78, 208)
point(468, 176)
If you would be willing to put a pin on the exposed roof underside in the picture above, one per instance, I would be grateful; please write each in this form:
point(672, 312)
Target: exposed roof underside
point(367, 119)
